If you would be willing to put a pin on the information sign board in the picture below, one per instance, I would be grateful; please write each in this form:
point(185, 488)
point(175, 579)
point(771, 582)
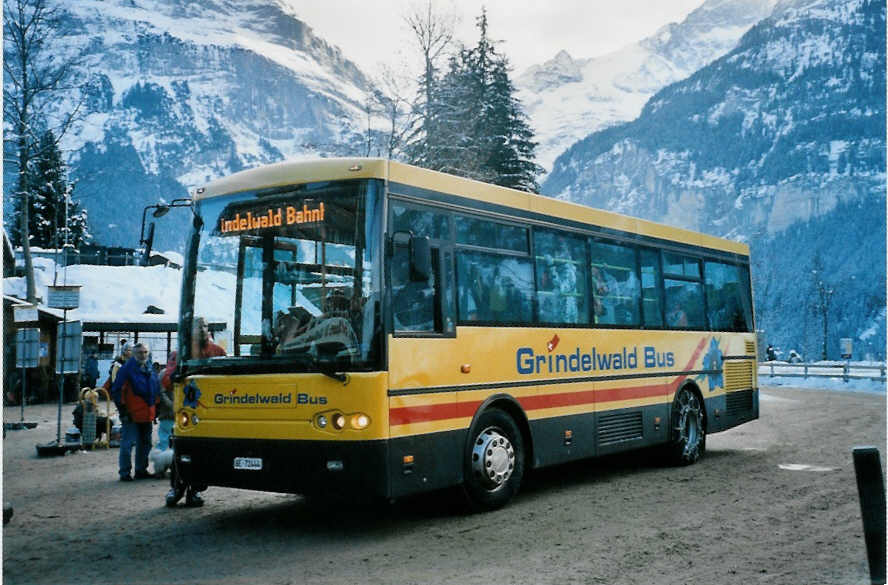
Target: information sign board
point(63, 296)
point(25, 313)
point(27, 348)
point(73, 334)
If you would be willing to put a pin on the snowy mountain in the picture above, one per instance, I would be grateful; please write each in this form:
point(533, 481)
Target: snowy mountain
point(567, 98)
point(781, 143)
point(177, 92)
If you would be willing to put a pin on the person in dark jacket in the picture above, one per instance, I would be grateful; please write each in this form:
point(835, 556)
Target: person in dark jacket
point(91, 371)
point(135, 391)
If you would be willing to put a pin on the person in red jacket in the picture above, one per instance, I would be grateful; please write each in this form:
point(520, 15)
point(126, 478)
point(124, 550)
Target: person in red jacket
point(135, 391)
point(201, 347)
point(165, 404)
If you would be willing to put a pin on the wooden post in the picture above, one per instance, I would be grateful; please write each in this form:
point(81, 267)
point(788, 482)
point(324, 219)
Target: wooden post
point(871, 490)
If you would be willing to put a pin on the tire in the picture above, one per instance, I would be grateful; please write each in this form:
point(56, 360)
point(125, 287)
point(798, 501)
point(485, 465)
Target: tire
point(688, 441)
point(494, 461)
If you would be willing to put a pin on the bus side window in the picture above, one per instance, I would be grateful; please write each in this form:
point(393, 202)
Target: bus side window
point(448, 287)
point(560, 261)
point(651, 294)
point(727, 297)
point(422, 307)
point(489, 234)
point(494, 288)
point(683, 285)
point(413, 302)
point(420, 221)
point(684, 304)
point(615, 287)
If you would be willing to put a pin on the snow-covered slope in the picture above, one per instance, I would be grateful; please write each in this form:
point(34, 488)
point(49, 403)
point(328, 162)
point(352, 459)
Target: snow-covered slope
point(177, 92)
point(567, 99)
point(780, 143)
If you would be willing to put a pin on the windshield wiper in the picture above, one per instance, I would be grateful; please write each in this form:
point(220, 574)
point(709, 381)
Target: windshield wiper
point(306, 360)
point(309, 359)
point(340, 376)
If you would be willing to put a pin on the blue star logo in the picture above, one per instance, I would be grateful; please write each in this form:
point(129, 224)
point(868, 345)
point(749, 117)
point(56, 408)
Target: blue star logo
point(192, 394)
point(713, 361)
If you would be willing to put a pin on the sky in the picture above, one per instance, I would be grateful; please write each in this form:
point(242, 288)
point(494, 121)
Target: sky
point(530, 31)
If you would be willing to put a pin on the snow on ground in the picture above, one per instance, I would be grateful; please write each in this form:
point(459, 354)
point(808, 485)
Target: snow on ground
point(834, 384)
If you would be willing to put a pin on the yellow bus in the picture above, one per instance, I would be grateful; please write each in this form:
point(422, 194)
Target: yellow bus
point(390, 330)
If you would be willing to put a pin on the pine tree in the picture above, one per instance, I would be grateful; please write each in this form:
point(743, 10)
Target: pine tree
point(512, 149)
point(453, 144)
point(49, 192)
point(476, 126)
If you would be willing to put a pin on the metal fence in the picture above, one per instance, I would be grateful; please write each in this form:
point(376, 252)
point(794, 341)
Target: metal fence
point(93, 255)
point(845, 370)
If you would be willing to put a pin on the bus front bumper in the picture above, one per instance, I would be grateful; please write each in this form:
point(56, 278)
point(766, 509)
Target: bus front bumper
point(299, 467)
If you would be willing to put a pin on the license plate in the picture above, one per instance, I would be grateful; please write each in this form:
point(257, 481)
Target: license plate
point(248, 463)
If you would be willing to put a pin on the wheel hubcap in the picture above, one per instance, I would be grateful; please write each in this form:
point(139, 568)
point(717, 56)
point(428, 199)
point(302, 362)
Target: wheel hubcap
point(493, 458)
point(690, 422)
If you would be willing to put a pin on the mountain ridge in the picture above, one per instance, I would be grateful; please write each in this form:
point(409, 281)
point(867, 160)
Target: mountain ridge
point(783, 131)
point(568, 98)
point(176, 93)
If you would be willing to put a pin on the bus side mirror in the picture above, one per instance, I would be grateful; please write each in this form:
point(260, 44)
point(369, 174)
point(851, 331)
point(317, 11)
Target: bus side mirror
point(420, 258)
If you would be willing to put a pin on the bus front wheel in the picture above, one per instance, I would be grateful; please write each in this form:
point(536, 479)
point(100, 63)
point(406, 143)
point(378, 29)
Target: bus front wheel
point(688, 431)
point(494, 461)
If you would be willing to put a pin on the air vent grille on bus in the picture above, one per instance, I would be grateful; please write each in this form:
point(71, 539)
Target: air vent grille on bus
point(738, 375)
point(738, 402)
point(624, 426)
point(750, 348)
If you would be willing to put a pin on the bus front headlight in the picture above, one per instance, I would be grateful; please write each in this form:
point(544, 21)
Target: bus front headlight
point(360, 421)
point(338, 421)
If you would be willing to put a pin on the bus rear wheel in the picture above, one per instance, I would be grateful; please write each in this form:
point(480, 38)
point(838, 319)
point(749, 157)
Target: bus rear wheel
point(494, 461)
point(688, 431)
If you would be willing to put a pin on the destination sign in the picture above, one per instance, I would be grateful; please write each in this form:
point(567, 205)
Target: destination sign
point(271, 217)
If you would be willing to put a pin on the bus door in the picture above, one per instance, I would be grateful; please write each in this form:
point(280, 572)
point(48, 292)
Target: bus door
point(422, 400)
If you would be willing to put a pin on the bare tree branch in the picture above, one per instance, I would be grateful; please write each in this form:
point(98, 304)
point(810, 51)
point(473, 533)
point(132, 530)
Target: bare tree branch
point(433, 33)
point(31, 85)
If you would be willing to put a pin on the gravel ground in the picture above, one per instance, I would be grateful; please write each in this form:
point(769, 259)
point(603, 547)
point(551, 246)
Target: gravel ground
point(773, 501)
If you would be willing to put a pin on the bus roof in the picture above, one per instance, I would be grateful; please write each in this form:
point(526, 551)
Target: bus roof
point(331, 169)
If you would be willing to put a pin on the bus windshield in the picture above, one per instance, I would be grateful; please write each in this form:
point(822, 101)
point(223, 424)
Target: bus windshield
point(287, 278)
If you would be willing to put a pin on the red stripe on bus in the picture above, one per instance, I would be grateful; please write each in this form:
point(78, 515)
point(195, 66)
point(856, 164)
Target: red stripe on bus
point(432, 412)
point(555, 400)
point(615, 394)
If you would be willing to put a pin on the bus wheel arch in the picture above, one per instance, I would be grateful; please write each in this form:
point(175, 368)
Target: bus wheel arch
point(495, 454)
point(687, 421)
point(510, 406)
